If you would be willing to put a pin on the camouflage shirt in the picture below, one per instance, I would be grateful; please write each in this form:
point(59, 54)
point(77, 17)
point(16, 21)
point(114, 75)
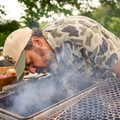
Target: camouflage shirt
point(83, 45)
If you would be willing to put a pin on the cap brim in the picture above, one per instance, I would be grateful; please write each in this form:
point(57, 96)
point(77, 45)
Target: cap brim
point(20, 66)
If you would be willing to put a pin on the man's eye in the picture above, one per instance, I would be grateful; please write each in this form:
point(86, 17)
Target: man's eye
point(28, 64)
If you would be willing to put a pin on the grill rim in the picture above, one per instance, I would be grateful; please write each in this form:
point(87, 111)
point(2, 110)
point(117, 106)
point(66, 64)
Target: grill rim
point(39, 113)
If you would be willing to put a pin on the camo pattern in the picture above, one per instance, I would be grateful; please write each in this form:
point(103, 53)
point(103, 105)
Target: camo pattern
point(83, 45)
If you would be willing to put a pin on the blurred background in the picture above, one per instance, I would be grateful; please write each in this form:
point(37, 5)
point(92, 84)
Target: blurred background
point(16, 14)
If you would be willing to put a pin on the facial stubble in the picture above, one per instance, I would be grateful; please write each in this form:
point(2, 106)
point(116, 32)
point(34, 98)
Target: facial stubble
point(48, 58)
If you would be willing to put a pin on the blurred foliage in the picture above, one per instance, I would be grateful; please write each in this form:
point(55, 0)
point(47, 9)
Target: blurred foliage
point(114, 26)
point(2, 13)
point(107, 14)
point(114, 5)
point(35, 9)
point(88, 14)
point(2, 10)
point(107, 18)
point(9, 26)
point(43, 24)
point(3, 36)
point(33, 24)
point(6, 28)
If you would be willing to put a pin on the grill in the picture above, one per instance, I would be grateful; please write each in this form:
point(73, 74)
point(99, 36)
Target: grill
point(62, 98)
point(41, 98)
point(103, 103)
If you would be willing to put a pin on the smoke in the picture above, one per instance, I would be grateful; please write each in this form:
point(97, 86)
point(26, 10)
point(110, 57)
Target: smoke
point(31, 97)
point(38, 94)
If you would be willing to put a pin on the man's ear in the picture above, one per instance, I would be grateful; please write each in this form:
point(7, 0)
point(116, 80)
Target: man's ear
point(37, 41)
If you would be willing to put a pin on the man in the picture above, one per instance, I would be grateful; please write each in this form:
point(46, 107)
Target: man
point(76, 43)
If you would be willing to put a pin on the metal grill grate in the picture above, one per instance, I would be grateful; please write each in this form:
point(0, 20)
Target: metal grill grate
point(41, 99)
point(103, 103)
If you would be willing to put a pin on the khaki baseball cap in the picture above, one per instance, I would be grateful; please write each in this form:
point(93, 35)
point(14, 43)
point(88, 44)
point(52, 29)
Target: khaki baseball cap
point(13, 50)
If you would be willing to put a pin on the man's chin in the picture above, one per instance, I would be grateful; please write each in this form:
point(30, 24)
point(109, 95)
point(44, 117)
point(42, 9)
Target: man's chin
point(49, 69)
point(44, 71)
point(40, 70)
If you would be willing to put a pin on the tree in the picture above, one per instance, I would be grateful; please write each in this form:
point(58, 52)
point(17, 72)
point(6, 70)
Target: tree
point(35, 9)
point(114, 5)
point(2, 12)
point(9, 26)
point(6, 28)
point(108, 14)
point(106, 17)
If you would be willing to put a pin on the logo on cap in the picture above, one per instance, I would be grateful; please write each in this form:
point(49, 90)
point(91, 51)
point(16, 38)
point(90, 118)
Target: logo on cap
point(10, 60)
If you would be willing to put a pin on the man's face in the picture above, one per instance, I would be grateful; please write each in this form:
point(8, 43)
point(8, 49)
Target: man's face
point(38, 60)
